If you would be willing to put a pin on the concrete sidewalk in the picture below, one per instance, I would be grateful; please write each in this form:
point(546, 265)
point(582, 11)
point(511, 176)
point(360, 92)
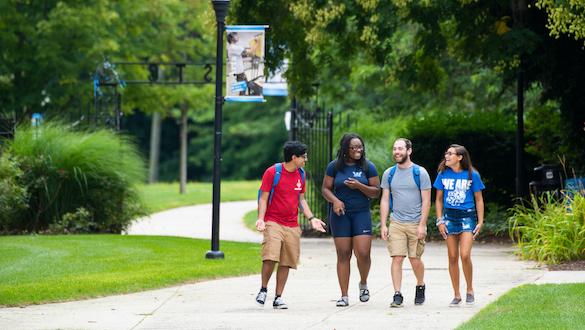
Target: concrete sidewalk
point(311, 292)
point(195, 222)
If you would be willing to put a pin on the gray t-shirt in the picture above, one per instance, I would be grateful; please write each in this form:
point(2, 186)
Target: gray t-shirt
point(406, 197)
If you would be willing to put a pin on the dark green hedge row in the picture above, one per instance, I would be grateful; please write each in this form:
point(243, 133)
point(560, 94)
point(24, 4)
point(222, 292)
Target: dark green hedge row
point(488, 136)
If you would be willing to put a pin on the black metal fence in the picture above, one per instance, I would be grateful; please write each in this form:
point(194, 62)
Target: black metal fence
point(315, 129)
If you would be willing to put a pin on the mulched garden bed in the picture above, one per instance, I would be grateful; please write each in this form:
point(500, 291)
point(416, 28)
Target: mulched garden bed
point(569, 265)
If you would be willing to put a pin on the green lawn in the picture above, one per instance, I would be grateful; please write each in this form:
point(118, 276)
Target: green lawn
point(550, 306)
point(162, 196)
point(40, 269)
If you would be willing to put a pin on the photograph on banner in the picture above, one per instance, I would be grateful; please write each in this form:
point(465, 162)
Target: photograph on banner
point(245, 63)
point(275, 84)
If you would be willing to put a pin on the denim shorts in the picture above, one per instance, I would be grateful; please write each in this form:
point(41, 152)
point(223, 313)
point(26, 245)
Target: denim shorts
point(459, 221)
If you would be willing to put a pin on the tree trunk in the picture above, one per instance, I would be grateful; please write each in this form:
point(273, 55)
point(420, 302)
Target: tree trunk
point(155, 128)
point(183, 159)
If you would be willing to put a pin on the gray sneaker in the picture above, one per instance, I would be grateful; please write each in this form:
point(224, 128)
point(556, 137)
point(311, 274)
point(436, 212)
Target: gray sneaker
point(364, 293)
point(342, 302)
point(469, 299)
point(456, 302)
point(261, 298)
point(279, 303)
point(397, 300)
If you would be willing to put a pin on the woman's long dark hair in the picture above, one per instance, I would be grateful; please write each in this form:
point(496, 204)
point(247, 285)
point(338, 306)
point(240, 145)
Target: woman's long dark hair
point(343, 152)
point(465, 161)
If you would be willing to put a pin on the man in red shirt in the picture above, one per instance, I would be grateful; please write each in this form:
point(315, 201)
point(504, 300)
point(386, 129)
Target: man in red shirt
point(278, 219)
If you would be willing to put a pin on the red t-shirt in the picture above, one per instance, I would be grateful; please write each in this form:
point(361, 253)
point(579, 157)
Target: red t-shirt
point(285, 200)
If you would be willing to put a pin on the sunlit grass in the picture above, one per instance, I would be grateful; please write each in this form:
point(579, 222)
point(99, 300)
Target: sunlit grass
point(162, 196)
point(550, 306)
point(40, 269)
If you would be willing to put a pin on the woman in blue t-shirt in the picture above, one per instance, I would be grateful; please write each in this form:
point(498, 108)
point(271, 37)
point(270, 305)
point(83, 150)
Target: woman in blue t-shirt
point(460, 211)
point(350, 182)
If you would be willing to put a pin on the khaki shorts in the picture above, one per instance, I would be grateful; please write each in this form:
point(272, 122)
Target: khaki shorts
point(282, 244)
point(403, 240)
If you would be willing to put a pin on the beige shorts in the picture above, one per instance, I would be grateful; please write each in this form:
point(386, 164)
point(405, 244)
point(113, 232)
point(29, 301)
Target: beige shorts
point(282, 244)
point(403, 240)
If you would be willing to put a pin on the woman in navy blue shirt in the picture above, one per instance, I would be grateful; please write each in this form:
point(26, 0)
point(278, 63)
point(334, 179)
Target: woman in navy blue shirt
point(350, 182)
point(460, 213)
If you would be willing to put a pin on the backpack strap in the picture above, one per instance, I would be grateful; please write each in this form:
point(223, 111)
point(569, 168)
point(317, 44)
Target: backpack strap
point(390, 177)
point(277, 173)
point(302, 172)
point(416, 175)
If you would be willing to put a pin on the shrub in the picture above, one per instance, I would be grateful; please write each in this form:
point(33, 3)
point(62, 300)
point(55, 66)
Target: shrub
point(549, 229)
point(65, 170)
point(13, 196)
point(489, 137)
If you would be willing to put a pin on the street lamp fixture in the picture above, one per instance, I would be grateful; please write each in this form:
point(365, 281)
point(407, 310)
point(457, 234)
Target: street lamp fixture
point(221, 8)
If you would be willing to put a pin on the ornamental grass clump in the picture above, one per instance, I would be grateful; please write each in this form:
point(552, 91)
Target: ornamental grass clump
point(550, 230)
point(64, 171)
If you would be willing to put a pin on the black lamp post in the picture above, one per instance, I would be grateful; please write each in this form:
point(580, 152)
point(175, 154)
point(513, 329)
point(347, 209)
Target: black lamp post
point(221, 9)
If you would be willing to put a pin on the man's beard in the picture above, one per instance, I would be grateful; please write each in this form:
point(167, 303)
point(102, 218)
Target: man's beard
point(401, 160)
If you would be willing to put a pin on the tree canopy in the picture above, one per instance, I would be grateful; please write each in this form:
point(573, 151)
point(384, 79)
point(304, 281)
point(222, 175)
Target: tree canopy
point(438, 52)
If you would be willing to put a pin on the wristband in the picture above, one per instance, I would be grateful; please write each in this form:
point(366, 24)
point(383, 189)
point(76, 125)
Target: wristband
point(440, 221)
point(311, 218)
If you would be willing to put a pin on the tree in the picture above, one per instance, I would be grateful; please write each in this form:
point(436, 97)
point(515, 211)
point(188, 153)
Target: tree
point(447, 36)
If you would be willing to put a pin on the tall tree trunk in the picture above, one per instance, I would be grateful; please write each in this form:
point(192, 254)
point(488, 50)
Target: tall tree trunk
point(155, 128)
point(183, 159)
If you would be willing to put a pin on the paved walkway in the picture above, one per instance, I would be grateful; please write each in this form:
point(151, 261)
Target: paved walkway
point(195, 222)
point(311, 290)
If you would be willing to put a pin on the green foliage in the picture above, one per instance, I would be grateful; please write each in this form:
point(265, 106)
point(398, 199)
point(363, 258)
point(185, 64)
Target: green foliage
point(564, 17)
point(530, 306)
point(252, 140)
point(488, 136)
point(74, 223)
point(51, 49)
point(412, 56)
point(64, 170)
point(43, 269)
point(13, 196)
point(549, 139)
point(549, 229)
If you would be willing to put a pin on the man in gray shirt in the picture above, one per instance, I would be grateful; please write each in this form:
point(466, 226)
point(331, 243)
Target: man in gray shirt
point(408, 196)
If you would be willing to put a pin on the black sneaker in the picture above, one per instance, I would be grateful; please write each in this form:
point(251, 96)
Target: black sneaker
point(419, 296)
point(397, 300)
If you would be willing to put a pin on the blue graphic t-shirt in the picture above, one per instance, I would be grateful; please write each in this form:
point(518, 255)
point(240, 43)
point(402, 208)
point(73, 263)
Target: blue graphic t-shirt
point(353, 199)
point(457, 189)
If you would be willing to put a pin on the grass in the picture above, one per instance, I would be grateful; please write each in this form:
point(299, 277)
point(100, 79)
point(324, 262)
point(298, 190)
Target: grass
point(550, 306)
point(162, 196)
point(250, 219)
point(41, 269)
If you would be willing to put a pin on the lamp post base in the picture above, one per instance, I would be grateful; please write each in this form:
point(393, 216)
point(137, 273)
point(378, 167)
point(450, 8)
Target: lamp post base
point(214, 255)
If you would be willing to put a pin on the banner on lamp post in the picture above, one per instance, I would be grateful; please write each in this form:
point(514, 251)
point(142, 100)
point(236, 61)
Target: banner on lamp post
point(245, 63)
point(275, 84)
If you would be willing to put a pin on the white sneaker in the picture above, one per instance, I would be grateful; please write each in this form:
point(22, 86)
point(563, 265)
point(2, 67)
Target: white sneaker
point(261, 298)
point(279, 303)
